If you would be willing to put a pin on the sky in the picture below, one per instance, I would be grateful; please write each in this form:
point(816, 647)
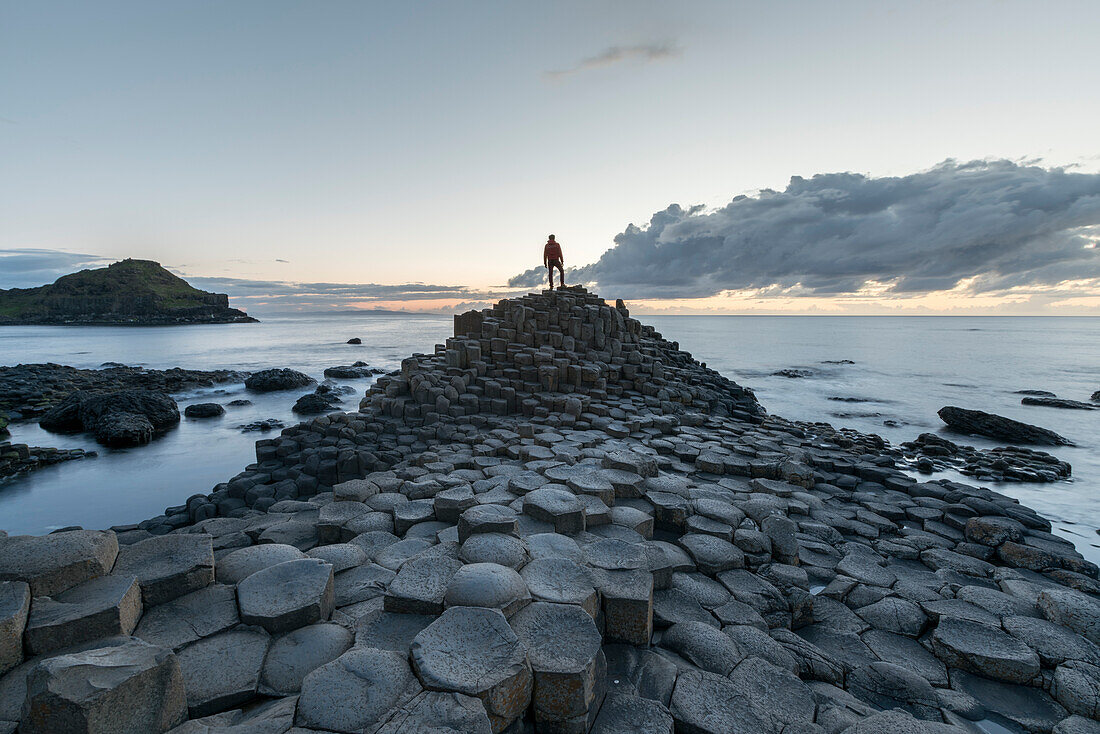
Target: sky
point(780, 157)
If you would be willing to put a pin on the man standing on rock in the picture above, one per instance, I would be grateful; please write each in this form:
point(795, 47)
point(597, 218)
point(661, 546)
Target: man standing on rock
point(552, 258)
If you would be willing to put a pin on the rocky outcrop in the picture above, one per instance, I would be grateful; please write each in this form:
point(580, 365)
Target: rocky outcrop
point(998, 427)
point(930, 453)
point(19, 458)
point(527, 533)
point(1052, 402)
point(277, 379)
point(127, 418)
point(353, 371)
point(28, 390)
point(130, 292)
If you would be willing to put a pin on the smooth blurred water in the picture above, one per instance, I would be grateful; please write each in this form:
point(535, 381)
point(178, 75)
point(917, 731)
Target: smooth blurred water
point(907, 368)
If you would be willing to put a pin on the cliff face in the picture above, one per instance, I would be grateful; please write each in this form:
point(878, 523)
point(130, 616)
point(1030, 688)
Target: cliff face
point(127, 292)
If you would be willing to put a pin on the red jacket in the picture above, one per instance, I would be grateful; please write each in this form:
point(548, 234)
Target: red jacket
point(552, 251)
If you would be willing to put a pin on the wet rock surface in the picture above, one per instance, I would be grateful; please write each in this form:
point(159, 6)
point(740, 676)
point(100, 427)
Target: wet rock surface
point(998, 427)
point(29, 390)
point(560, 522)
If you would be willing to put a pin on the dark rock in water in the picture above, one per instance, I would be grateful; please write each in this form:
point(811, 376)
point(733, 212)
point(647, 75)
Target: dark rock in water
point(322, 400)
point(269, 424)
point(203, 410)
point(240, 402)
point(1095, 397)
point(127, 418)
point(352, 371)
point(793, 373)
point(1057, 403)
point(1036, 393)
point(1002, 464)
point(18, 458)
point(124, 429)
point(355, 340)
point(312, 404)
point(277, 379)
point(27, 390)
point(837, 361)
point(996, 426)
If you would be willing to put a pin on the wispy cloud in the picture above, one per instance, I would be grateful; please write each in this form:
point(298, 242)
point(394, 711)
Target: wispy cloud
point(642, 53)
point(982, 226)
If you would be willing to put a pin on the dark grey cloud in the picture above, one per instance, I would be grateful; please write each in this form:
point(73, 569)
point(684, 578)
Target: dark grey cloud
point(1000, 223)
point(32, 267)
point(642, 52)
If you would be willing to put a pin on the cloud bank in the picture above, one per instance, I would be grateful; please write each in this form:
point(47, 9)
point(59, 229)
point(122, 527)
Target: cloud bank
point(644, 53)
point(31, 267)
point(985, 226)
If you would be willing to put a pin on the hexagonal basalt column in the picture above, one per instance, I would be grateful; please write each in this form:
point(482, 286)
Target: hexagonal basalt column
point(627, 606)
point(559, 507)
point(563, 647)
point(102, 607)
point(288, 595)
point(474, 651)
point(168, 566)
point(125, 687)
point(486, 519)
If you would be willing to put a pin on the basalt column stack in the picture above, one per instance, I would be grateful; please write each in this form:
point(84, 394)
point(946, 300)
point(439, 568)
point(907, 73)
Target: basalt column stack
point(555, 352)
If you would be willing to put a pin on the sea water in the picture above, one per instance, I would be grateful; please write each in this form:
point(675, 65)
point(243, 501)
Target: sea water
point(899, 371)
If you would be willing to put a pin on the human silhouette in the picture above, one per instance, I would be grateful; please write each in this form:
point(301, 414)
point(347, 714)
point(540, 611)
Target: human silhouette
point(552, 258)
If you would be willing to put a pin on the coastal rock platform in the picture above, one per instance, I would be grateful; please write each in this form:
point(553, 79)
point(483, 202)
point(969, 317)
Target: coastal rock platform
point(560, 522)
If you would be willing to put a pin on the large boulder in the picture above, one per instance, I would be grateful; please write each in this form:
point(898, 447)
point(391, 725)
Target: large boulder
point(124, 418)
point(998, 427)
point(52, 563)
point(276, 379)
point(103, 607)
point(130, 687)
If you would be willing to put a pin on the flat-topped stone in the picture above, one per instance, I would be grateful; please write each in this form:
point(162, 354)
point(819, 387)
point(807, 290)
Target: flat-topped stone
point(486, 519)
point(53, 563)
point(389, 630)
point(168, 566)
point(562, 581)
point(189, 618)
point(286, 596)
point(223, 670)
point(421, 585)
point(130, 687)
point(103, 607)
point(559, 507)
point(473, 651)
point(985, 650)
